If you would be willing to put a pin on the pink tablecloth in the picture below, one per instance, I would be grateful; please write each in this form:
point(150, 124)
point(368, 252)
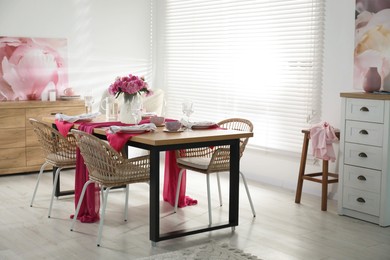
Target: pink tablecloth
point(89, 210)
point(171, 174)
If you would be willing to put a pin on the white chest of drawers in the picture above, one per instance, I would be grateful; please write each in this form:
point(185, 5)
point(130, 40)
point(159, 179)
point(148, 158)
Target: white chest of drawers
point(364, 183)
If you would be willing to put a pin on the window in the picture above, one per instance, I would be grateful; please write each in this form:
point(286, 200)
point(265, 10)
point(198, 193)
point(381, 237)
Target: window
point(260, 60)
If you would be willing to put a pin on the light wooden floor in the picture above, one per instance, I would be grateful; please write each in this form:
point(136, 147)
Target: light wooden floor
point(281, 229)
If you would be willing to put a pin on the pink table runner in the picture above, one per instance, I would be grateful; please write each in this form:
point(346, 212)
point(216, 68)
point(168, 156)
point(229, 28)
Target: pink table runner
point(89, 210)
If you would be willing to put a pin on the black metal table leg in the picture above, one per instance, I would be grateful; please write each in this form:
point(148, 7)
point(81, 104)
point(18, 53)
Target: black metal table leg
point(154, 198)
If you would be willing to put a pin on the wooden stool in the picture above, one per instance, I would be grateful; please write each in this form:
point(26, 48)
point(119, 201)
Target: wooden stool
point(327, 177)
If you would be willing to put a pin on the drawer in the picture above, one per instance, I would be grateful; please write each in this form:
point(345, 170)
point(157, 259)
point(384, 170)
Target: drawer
point(363, 155)
point(11, 118)
point(31, 138)
point(364, 133)
point(12, 138)
point(34, 156)
point(12, 158)
point(362, 201)
point(362, 178)
point(365, 110)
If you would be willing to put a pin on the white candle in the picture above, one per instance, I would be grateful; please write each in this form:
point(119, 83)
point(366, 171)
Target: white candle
point(52, 95)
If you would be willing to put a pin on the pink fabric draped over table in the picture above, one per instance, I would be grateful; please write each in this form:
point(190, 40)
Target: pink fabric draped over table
point(89, 211)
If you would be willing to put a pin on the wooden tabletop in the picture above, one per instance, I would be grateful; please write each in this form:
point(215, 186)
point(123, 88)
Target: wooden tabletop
point(159, 137)
point(365, 95)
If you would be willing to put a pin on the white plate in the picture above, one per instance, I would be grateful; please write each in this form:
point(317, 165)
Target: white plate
point(202, 125)
point(69, 97)
point(148, 115)
point(178, 131)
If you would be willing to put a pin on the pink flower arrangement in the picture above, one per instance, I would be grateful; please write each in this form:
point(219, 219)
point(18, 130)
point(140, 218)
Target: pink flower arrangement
point(129, 84)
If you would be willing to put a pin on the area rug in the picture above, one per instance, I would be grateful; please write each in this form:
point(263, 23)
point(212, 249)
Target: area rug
point(210, 250)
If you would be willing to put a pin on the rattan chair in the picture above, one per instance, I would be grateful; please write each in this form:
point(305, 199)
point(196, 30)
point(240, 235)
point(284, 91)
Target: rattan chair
point(208, 160)
point(109, 169)
point(59, 152)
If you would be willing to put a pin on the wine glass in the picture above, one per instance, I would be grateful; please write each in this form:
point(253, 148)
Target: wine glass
point(188, 109)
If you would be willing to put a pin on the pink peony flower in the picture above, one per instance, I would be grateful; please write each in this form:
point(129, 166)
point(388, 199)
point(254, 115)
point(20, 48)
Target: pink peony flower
point(129, 84)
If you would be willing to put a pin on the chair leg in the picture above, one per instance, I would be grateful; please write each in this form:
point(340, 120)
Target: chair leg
point(126, 202)
point(37, 184)
point(302, 167)
point(102, 216)
point(178, 189)
point(219, 190)
point(79, 203)
point(54, 190)
point(208, 198)
point(249, 195)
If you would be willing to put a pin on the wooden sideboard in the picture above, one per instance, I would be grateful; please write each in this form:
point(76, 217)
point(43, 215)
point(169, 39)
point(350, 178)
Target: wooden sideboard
point(20, 151)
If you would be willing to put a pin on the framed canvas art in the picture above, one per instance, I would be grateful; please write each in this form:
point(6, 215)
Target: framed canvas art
point(372, 41)
point(30, 67)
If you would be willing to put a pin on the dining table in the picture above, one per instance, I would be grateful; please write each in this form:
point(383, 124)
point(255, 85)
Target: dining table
point(158, 141)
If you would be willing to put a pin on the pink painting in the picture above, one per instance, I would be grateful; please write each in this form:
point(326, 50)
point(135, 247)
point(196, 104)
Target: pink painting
point(29, 67)
point(372, 41)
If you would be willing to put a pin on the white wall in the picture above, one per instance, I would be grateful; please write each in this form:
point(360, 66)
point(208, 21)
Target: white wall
point(107, 38)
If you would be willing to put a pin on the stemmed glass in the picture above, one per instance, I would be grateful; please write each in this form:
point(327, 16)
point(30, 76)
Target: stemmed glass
point(188, 109)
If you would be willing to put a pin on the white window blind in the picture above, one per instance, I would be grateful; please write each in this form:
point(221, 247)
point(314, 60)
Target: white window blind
point(256, 59)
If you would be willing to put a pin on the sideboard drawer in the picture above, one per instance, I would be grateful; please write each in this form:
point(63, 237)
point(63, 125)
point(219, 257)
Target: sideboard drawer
point(364, 133)
point(362, 178)
point(12, 158)
point(365, 110)
point(363, 155)
point(12, 117)
point(11, 138)
point(363, 201)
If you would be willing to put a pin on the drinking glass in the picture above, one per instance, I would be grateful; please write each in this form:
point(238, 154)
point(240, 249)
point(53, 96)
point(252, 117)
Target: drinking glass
point(188, 109)
point(89, 100)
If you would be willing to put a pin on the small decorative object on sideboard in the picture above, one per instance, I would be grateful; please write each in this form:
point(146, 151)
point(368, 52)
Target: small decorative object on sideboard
point(372, 80)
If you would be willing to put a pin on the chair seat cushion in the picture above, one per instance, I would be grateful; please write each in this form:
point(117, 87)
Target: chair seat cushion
point(195, 162)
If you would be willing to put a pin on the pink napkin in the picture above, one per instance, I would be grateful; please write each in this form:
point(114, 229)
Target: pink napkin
point(118, 140)
point(63, 127)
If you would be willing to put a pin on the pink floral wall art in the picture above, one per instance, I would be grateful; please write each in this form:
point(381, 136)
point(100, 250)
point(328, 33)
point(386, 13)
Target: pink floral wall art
point(30, 67)
point(372, 41)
